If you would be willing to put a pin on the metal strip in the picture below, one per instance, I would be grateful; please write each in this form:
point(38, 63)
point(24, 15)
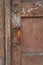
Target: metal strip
point(31, 16)
point(32, 54)
point(16, 23)
point(32, 1)
point(7, 32)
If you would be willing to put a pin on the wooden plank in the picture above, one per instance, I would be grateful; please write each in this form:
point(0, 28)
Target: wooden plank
point(7, 32)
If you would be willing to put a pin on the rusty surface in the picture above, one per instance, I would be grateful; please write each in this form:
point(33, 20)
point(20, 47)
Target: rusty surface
point(16, 49)
point(32, 34)
point(31, 9)
point(1, 32)
point(32, 1)
point(32, 60)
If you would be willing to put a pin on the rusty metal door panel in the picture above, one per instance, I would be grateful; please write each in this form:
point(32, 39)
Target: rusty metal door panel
point(32, 60)
point(23, 32)
point(32, 34)
point(32, 9)
point(1, 32)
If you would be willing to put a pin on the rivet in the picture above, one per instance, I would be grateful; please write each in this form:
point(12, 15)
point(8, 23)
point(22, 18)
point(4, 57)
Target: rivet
point(40, 4)
point(32, 8)
point(28, 10)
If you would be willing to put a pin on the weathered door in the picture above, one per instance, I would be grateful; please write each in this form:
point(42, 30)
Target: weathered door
point(21, 32)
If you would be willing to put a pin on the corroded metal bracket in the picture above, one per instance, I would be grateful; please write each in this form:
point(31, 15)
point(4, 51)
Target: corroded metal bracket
point(17, 21)
point(17, 32)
